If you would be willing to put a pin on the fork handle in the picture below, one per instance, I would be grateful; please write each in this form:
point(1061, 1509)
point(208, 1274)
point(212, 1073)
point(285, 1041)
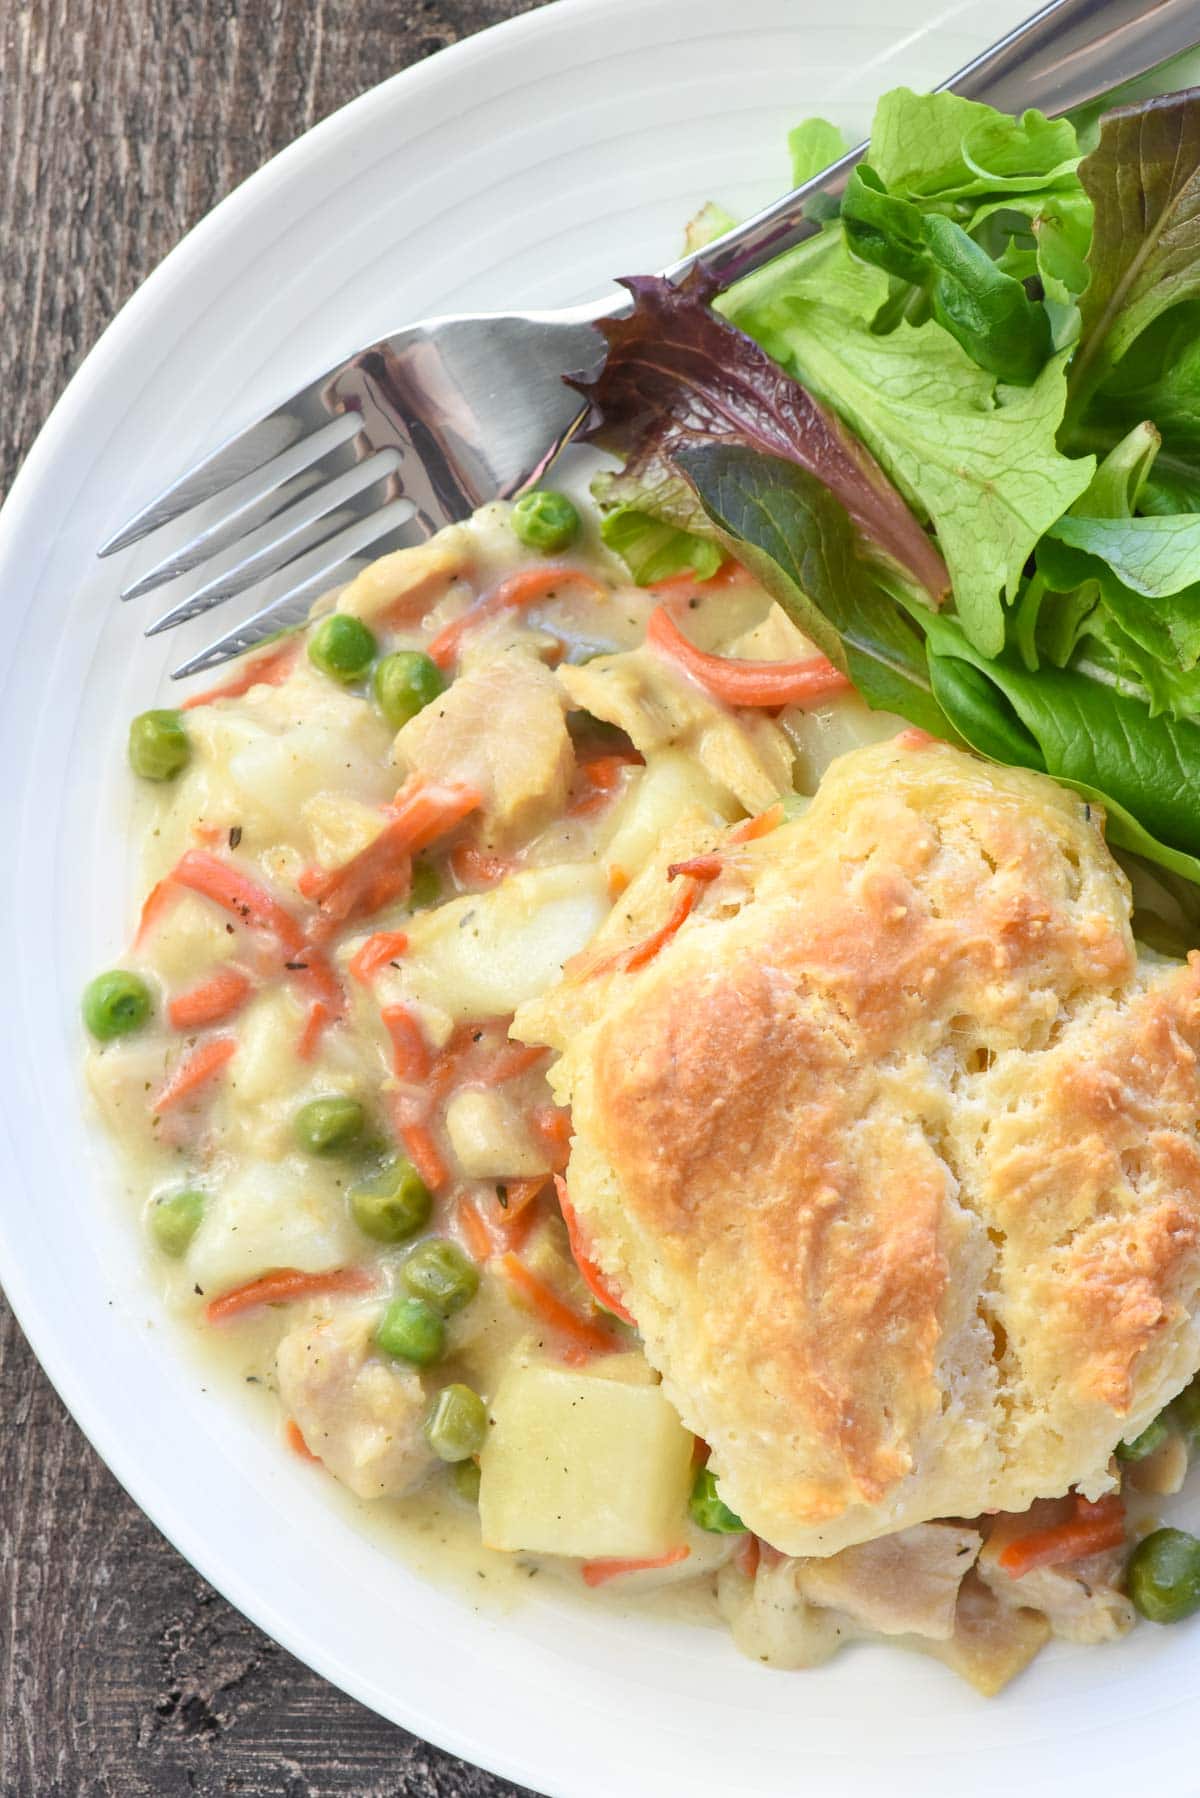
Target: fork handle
point(1068, 54)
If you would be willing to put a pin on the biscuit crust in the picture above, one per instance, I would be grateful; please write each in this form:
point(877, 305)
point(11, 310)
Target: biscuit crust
point(892, 1150)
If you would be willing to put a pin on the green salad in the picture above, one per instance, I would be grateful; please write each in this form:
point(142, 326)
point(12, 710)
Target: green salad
point(957, 435)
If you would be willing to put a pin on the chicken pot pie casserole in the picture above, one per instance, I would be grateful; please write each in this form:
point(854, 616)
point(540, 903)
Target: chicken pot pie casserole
point(617, 1090)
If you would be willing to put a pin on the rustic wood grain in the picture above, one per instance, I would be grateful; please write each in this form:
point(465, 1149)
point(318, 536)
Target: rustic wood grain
point(122, 1674)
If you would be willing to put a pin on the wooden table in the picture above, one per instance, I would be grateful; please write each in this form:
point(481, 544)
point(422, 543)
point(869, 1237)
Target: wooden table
point(122, 1674)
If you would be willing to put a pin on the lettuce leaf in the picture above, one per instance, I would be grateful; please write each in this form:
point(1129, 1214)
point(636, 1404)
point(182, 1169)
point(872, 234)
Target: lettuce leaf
point(812, 147)
point(654, 550)
point(940, 146)
point(676, 374)
point(1143, 179)
point(1144, 771)
point(798, 541)
point(980, 461)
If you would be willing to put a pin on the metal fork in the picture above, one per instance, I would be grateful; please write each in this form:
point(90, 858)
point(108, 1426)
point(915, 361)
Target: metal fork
point(418, 430)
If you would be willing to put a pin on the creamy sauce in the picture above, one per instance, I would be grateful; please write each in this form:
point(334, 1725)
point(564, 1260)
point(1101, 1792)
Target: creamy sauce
point(287, 784)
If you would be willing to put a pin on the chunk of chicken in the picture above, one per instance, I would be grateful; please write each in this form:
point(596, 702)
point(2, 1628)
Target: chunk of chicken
point(500, 728)
point(904, 1584)
point(404, 586)
point(1079, 1599)
point(745, 753)
point(362, 1417)
point(772, 1623)
point(992, 1642)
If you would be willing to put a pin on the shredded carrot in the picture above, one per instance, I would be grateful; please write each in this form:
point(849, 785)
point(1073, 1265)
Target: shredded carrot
point(679, 586)
point(597, 1573)
point(915, 738)
point(422, 1151)
point(700, 867)
point(294, 1437)
point(645, 951)
point(746, 683)
point(314, 1024)
point(237, 894)
point(491, 1229)
point(281, 1287)
point(448, 1064)
point(525, 588)
point(252, 904)
point(479, 1240)
point(553, 1128)
point(1093, 1527)
point(473, 867)
point(745, 1557)
point(539, 1298)
point(210, 1001)
point(598, 781)
point(410, 1055)
point(193, 1072)
point(519, 1195)
point(626, 960)
point(759, 826)
point(376, 953)
point(591, 1275)
point(422, 811)
point(265, 671)
point(512, 1060)
point(158, 900)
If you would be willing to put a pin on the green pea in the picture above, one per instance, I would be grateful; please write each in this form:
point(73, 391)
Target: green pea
point(545, 521)
point(174, 1221)
point(393, 1204)
point(1152, 1437)
point(457, 1424)
point(159, 746)
point(426, 888)
point(1163, 1576)
point(327, 1126)
point(438, 1272)
point(342, 647)
point(1185, 1413)
point(411, 1330)
point(707, 1508)
point(116, 1003)
point(404, 683)
point(464, 1477)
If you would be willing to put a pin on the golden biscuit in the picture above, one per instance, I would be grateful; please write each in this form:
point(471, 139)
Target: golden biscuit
point(892, 1149)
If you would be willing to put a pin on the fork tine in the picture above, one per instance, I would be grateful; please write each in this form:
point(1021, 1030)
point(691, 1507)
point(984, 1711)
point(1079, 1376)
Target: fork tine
point(251, 502)
point(284, 537)
point(396, 525)
point(238, 456)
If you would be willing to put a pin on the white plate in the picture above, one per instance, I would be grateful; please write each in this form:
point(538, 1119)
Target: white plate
point(522, 167)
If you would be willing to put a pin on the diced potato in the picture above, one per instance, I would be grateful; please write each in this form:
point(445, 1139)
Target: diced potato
point(819, 734)
point(576, 1465)
point(483, 955)
point(268, 1216)
point(266, 1064)
point(632, 1369)
point(121, 1076)
point(490, 1138)
point(339, 828)
point(189, 939)
point(406, 584)
point(274, 776)
point(670, 784)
